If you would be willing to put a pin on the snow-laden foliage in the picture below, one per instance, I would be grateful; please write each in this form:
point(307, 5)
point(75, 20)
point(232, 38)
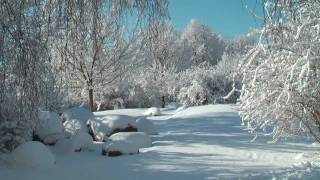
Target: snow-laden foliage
point(49, 129)
point(206, 45)
point(281, 76)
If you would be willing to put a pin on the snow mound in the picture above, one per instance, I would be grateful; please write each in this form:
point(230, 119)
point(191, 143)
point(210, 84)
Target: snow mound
point(126, 143)
point(111, 124)
point(117, 148)
point(146, 126)
point(82, 141)
point(139, 139)
point(32, 155)
point(153, 111)
point(79, 113)
point(50, 128)
point(74, 126)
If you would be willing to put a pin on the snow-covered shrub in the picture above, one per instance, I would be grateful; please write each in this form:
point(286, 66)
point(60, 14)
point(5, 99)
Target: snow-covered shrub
point(100, 128)
point(117, 148)
point(49, 128)
point(32, 155)
point(74, 126)
point(146, 126)
point(82, 141)
point(126, 143)
point(139, 139)
point(202, 84)
point(79, 113)
point(194, 95)
point(153, 111)
point(281, 76)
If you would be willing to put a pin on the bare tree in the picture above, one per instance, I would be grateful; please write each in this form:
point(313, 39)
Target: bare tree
point(96, 35)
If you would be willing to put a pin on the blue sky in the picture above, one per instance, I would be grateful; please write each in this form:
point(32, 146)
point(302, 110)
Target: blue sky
point(228, 17)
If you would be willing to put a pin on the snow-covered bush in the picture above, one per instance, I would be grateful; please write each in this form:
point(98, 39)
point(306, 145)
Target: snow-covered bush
point(82, 141)
point(194, 95)
point(79, 113)
point(101, 128)
point(32, 155)
point(201, 85)
point(126, 143)
point(146, 126)
point(281, 76)
point(74, 126)
point(153, 111)
point(49, 128)
point(117, 148)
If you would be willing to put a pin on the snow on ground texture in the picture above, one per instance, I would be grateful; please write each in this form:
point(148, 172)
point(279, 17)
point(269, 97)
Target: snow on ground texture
point(32, 155)
point(146, 126)
point(77, 113)
point(50, 127)
point(205, 142)
point(139, 139)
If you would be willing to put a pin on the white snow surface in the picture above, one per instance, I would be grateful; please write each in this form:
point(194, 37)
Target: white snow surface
point(50, 127)
point(146, 126)
point(32, 155)
point(153, 111)
point(104, 126)
point(139, 139)
point(205, 142)
point(79, 113)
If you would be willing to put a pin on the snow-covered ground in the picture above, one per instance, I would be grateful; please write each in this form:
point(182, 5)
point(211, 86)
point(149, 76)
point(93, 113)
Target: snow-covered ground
point(205, 142)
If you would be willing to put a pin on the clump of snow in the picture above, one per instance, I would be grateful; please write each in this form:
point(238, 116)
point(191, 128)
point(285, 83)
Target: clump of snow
point(146, 126)
point(108, 125)
point(82, 141)
point(74, 126)
point(50, 128)
point(117, 148)
point(139, 139)
point(79, 113)
point(32, 155)
point(126, 143)
point(153, 111)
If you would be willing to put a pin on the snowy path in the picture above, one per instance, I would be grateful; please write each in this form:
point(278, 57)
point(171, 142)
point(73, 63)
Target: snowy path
point(203, 142)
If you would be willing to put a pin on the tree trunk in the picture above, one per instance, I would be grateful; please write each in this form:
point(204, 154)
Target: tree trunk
point(91, 100)
point(163, 102)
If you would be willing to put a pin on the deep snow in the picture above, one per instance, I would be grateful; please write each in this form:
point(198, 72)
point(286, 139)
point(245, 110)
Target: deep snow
point(205, 142)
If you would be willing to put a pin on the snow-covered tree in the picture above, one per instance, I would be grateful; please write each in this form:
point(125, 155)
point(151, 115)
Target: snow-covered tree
point(96, 35)
point(26, 82)
point(281, 76)
point(207, 46)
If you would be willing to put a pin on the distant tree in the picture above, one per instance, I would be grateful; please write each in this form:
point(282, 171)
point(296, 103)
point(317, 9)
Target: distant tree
point(207, 46)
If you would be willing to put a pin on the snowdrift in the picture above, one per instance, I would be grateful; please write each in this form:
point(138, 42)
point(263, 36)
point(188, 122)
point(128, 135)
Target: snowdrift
point(126, 143)
point(146, 126)
point(33, 155)
point(153, 111)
